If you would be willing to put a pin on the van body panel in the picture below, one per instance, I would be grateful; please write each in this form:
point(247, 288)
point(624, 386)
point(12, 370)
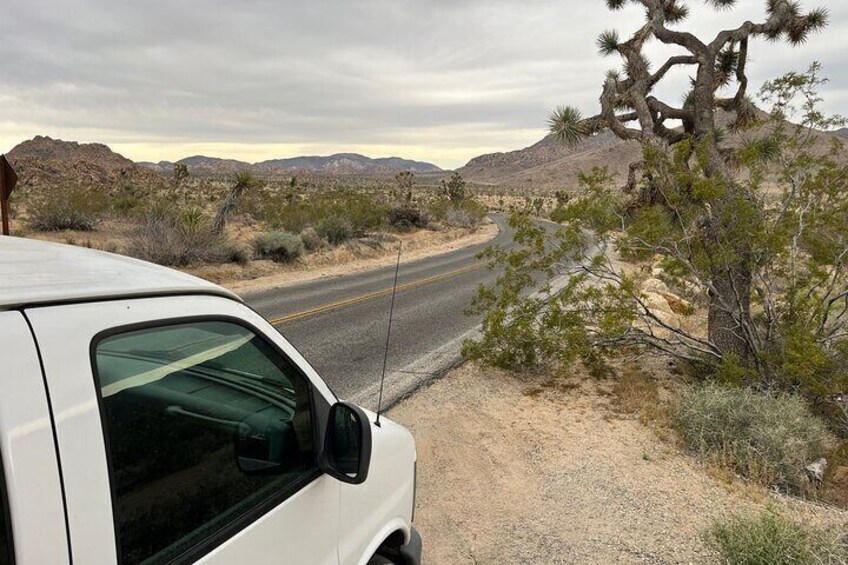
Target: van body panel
point(372, 511)
point(28, 450)
point(303, 529)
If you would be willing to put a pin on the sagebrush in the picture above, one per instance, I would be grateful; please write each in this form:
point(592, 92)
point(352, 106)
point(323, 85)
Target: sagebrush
point(769, 438)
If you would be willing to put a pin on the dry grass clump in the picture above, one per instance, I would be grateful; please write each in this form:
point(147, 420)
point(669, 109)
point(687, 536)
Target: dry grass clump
point(772, 539)
point(767, 438)
point(177, 241)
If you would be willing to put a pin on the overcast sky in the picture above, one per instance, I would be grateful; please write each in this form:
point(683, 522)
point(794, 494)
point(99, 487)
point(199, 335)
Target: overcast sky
point(435, 80)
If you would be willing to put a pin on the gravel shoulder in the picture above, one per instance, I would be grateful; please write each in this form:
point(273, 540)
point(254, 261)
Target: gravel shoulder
point(534, 470)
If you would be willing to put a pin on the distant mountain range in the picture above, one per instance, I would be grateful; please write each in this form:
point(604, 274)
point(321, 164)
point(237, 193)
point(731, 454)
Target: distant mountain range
point(46, 163)
point(339, 164)
point(842, 132)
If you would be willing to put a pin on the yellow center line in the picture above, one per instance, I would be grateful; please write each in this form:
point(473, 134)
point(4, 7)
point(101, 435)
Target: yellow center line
point(373, 295)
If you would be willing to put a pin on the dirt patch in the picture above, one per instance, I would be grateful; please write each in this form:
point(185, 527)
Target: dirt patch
point(526, 470)
point(343, 260)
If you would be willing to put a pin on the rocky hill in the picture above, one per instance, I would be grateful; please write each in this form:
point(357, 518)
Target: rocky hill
point(200, 165)
point(550, 165)
point(46, 163)
point(339, 164)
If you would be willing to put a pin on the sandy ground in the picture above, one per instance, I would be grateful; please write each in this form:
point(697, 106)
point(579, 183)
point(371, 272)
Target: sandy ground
point(515, 470)
point(342, 260)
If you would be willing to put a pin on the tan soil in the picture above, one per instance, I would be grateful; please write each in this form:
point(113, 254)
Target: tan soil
point(343, 260)
point(514, 470)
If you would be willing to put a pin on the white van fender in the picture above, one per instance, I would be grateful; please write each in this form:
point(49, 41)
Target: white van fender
point(397, 524)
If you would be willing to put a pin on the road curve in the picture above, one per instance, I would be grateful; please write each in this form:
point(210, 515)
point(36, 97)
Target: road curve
point(339, 324)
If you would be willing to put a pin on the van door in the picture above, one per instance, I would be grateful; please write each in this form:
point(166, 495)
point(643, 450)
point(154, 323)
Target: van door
point(191, 430)
point(32, 526)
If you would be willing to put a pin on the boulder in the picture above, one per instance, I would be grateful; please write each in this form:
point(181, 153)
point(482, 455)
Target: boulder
point(655, 285)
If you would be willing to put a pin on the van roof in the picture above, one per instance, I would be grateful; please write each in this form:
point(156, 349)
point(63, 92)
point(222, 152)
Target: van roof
point(36, 272)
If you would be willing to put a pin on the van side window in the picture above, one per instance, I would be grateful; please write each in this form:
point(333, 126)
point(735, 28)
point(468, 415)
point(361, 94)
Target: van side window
point(5, 524)
point(207, 427)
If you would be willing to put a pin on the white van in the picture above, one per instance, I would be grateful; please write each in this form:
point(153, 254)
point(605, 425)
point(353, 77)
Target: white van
point(147, 416)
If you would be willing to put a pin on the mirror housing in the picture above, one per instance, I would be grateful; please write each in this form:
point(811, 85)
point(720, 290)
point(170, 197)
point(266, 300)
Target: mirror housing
point(347, 444)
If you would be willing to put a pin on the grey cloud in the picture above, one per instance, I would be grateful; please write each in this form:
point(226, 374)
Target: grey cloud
point(336, 72)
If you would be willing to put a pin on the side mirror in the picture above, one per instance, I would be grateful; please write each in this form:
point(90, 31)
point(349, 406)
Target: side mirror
point(347, 445)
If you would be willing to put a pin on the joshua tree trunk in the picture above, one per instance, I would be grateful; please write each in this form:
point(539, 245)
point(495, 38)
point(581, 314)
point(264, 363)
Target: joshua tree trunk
point(243, 181)
point(226, 208)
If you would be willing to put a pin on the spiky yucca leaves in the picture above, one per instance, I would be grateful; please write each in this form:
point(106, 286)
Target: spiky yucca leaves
point(675, 12)
point(721, 4)
point(565, 124)
point(608, 42)
point(726, 64)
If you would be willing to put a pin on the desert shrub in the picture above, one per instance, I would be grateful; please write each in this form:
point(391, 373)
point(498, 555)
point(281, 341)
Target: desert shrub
point(292, 217)
point(772, 539)
point(236, 253)
point(279, 246)
point(407, 217)
point(311, 240)
point(467, 214)
point(165, 239)
point(335, 230)
point(360, 211)
point(125, 204)
point(74, 209)
point(768, 438)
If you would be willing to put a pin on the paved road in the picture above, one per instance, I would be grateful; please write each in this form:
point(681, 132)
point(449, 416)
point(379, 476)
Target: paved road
point(339, 324)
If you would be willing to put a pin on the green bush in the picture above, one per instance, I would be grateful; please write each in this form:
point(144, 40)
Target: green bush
point(279, 246)
point(768, 438)
point(359, 210)
point(771, 539)
point(336, 230)
point(74, 209)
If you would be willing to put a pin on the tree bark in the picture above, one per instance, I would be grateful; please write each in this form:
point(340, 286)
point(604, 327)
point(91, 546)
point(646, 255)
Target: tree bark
point(227, 206)
point(731, 274)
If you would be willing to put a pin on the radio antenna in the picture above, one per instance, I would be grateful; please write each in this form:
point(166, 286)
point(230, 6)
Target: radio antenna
point(388, 336)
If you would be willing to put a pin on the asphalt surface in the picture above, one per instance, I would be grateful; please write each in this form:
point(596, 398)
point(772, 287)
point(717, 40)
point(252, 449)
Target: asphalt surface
point(339, 324)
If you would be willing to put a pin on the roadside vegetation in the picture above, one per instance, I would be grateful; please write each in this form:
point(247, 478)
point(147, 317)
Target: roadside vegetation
point(212, 222)
point(728, 260)
point(769, 538)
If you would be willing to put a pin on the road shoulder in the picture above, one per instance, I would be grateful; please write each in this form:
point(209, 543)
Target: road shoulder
point(520, 470)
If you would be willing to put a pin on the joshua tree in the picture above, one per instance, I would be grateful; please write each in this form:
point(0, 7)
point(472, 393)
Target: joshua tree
point(180, 174)
point(405, 180)
point(454, 189)
point(717, 63)
point(242, 181)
